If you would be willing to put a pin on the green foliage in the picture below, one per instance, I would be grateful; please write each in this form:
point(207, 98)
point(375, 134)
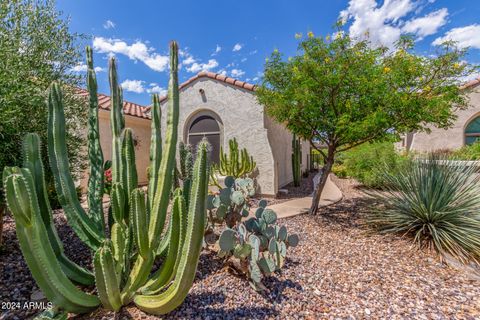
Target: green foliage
point(368, 163)
point(123, 262)
point(29, 30)
point(437, 203)
point(238, 163)
point(470, 152)
point(342, 92)
point(258, 244)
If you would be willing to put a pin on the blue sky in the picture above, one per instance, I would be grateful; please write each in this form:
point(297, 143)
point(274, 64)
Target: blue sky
point(235, 37)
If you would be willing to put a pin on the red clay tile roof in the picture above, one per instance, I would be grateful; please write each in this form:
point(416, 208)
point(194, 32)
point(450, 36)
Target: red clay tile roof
point(129, 108)
point(218, 77)
point(470, 84)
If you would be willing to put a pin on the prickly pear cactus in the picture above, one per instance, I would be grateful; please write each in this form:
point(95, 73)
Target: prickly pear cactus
point(123, 258)
point(257, 245)
point(230, 204)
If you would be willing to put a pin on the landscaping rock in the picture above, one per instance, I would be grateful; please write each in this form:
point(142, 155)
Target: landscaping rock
point(339, 270)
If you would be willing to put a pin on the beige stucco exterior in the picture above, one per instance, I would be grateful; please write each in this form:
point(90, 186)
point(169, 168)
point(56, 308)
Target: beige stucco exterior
point(240, 116)
point(445, 139)
point(141, 131)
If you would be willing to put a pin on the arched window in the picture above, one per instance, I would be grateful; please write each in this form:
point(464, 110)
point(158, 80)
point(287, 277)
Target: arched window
point(206, 126)
point(472, 131)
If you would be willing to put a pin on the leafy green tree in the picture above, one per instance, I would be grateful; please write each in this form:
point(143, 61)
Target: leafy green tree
point(341, 92)
point(36, 49)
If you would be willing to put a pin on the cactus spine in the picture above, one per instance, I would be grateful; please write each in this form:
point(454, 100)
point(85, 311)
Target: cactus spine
point(238, 163)
point(296, 154)
point(123, 262)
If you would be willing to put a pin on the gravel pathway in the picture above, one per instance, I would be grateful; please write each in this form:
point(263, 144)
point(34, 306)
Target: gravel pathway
point(339, 271)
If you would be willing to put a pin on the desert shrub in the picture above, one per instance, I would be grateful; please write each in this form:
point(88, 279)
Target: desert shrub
point(470, 152)
point(437, 203)
point(368, 162)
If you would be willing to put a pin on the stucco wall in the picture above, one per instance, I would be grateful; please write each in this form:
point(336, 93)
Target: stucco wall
point(452, 138)
point(241, 117)
point(141, 131)
point(281, 143)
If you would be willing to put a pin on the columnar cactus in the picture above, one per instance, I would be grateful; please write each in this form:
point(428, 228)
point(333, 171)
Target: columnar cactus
point(122, 262)
point(238, 163)
point(296, 154)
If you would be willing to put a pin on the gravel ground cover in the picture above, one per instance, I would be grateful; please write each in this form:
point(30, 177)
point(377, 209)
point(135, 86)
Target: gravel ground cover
point(340, 270)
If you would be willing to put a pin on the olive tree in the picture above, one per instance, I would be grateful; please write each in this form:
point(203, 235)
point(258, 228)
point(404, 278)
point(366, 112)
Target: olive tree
point(36, 49)
point(340, 92)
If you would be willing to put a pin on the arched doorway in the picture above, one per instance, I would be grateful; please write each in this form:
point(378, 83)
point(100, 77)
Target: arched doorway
point(472, 131)
point(205, 125)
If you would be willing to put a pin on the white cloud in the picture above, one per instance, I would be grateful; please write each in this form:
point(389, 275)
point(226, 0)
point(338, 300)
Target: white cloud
point(155, 88)
point(468, 36)
point(188, 60)
point(83, 68)
point(196, 67)
point(385, 24)
point(137, 51)
point(109, 24)
point(237, 73)
point(253, 52)
point(223, 72)
point(243, 59)
point(217, 50)
point(133, 86)
point(428, 24)
point(237, 47)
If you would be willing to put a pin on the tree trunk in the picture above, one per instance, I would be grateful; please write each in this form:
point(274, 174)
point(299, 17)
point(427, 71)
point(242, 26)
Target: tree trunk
point(324, 172)
point(2, 210)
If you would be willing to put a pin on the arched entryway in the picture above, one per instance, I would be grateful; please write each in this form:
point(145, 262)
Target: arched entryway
point(205, 124)
point(472, 131)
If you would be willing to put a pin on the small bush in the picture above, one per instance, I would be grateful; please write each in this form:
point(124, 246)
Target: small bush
point(470, 152)
point(368, 162)
point(437, 203)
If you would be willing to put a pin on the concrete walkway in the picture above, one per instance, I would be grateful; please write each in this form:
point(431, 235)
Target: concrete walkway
point(331, 194)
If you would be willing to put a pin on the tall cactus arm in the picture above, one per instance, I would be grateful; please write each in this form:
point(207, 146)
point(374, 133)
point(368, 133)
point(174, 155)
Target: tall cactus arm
point(138, 276)
point(185, 273)
point(80, 222)
point(118, 203)
point(117, 121)
point(106, 278)
point(118, 235)
point(36, 249)
point(165, 177)
point(176, 231)
point(95, 154)
point(138, 221)
point(129, 179)
point(32, 161)
point(144, 262)
point(155, 147)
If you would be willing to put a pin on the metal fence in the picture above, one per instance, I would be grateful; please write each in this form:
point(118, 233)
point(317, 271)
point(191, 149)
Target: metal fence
point(315, 161)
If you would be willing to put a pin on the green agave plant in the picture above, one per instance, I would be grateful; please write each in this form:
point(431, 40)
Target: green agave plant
point(437, 202)
point(124, 257)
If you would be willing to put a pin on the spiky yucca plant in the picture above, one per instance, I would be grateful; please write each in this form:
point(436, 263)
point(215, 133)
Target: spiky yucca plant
point(437, 202)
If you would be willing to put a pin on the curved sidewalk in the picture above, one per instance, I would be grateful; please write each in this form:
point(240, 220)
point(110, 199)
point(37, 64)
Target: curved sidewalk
point(331, 194)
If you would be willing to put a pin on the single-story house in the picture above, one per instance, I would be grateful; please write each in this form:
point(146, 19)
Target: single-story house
point(218, 108)
point(465, 129)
